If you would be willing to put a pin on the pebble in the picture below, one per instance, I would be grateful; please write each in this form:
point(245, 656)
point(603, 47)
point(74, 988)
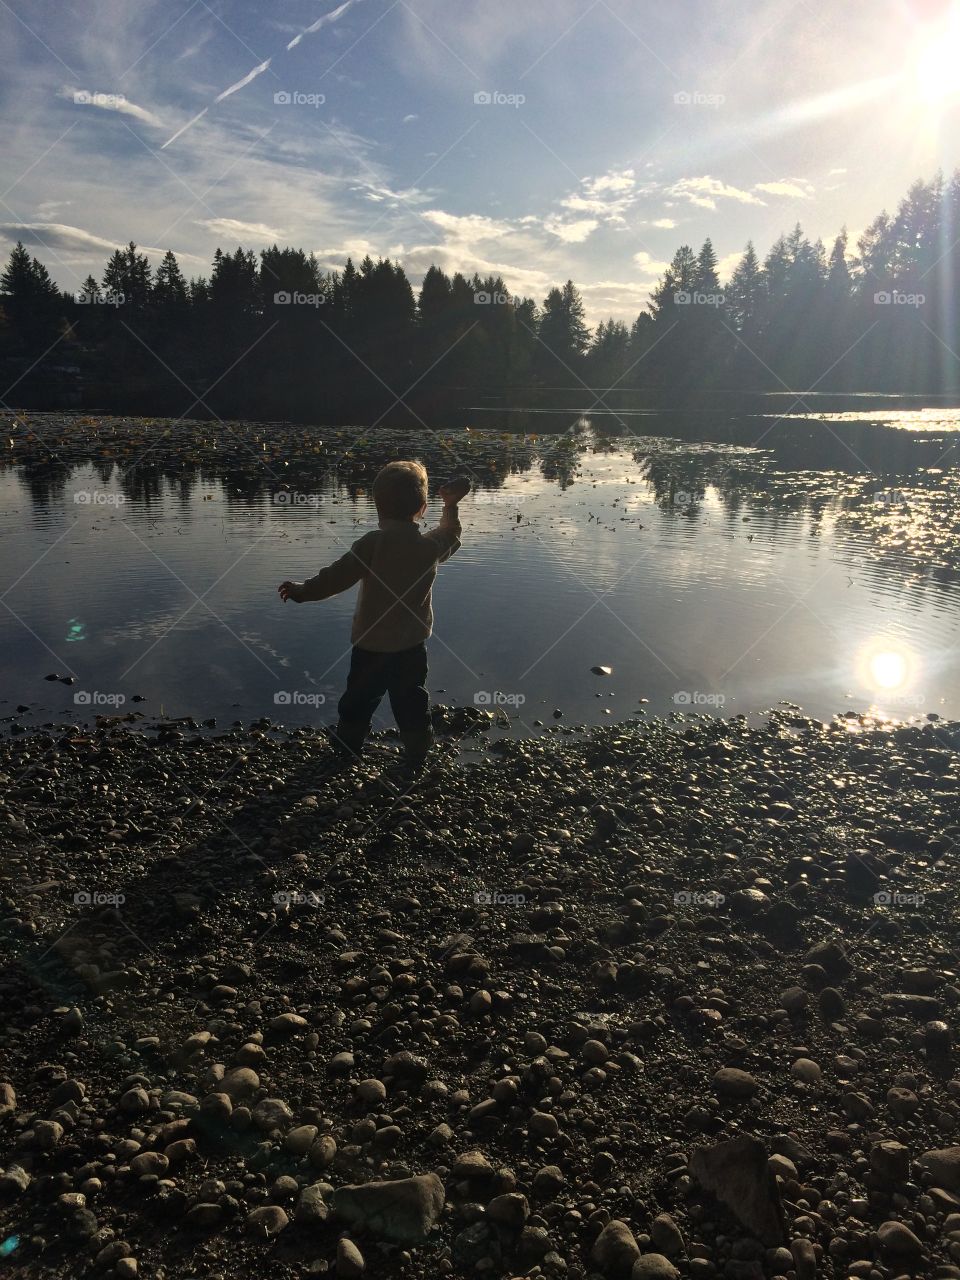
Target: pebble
point(615, 1249)
point(268, 1220)
point(349, 1259)
point(731, 1082)
point(897, 1238)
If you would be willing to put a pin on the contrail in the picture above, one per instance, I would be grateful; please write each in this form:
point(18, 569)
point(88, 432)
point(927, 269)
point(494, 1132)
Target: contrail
point(333, 16)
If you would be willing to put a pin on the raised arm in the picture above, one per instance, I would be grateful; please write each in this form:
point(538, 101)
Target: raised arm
point(447, 532)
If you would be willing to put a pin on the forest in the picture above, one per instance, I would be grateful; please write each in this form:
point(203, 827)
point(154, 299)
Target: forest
point(272, 335)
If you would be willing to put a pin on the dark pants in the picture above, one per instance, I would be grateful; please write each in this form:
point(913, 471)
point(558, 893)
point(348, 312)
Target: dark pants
point(400, 675)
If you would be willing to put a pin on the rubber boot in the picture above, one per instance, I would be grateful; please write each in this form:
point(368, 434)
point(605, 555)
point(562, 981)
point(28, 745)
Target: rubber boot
point(416, 746)
point(348, 738)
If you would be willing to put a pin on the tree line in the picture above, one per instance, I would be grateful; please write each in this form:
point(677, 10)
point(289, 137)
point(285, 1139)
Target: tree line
point(275, 336)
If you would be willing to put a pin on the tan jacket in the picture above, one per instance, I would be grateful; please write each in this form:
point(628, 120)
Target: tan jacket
point(396, 566)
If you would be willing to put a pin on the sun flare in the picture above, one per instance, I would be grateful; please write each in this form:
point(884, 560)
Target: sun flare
point(887, 667)
point(936, 64)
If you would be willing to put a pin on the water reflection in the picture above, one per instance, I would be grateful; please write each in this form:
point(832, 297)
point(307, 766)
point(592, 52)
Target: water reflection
point(705, 567)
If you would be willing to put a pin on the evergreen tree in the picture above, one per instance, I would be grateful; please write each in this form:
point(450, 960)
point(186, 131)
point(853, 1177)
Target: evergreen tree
point(30, 301)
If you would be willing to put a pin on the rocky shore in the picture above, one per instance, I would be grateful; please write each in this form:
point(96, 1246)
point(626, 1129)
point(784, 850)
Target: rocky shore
point(665, 1000)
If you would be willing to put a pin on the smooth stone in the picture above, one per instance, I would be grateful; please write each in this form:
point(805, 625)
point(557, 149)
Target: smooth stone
point(615, 1249)
point(350, 1261)
point(654, 1266)
point(268, 1220)
point(731, 1082)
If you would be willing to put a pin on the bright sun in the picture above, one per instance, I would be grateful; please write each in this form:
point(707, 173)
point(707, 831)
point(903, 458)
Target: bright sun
point(888, 669)
point(937, 62)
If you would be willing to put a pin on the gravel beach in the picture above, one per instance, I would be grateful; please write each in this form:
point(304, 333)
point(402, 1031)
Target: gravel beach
point(658, 1000)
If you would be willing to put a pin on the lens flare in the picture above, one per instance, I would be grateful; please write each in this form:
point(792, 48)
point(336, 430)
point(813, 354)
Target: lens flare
point(935, 69)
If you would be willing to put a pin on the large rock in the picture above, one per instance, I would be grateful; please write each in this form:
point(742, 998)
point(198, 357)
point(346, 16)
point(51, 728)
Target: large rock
point(654, 1266)
point(404, 1210)
point(943, 1167)
point(615, 1250)
point(737, 1173)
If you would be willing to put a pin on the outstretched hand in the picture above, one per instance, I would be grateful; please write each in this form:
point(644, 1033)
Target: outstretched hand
point(291, 591)
point(454, 490)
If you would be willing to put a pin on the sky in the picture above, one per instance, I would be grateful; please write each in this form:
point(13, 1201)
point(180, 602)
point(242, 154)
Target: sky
point(542, 140)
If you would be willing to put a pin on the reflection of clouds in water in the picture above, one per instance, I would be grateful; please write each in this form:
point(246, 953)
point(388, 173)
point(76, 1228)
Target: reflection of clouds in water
point(169, 624)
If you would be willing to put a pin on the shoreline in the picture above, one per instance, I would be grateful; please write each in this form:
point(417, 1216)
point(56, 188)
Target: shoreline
point(548, 980)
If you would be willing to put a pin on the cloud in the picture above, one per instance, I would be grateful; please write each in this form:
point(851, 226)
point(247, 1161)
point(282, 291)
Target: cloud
point(833, 172)
point(790, 187)
point(71, 240)
point(606, 197)
point(664, 224)
point(571, 232)
point(410, 118)
point(727, 265)
point(384, 193)
point(233, 228)
point(110, 102)
point(705, 191)
point(649, 264)
point(616, 180)
point(333, 258)
point(462, 229)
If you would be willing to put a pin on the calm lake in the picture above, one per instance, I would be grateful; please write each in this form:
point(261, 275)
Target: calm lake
point(721, 561)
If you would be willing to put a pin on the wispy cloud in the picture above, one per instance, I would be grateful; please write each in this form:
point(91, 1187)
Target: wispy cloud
point(109, 102)
point(238, 230)
point(60, 236)
point(705, 191)
point(795, 188)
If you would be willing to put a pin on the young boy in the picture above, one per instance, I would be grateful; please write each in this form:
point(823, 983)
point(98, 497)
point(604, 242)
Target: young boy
point(395, 565)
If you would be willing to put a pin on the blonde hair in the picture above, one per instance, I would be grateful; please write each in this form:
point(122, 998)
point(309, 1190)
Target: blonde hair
point(400, 490)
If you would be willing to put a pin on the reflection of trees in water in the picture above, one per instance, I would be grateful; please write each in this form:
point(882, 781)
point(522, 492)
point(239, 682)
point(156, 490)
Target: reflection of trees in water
point(45, 480)
point(785, 479)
